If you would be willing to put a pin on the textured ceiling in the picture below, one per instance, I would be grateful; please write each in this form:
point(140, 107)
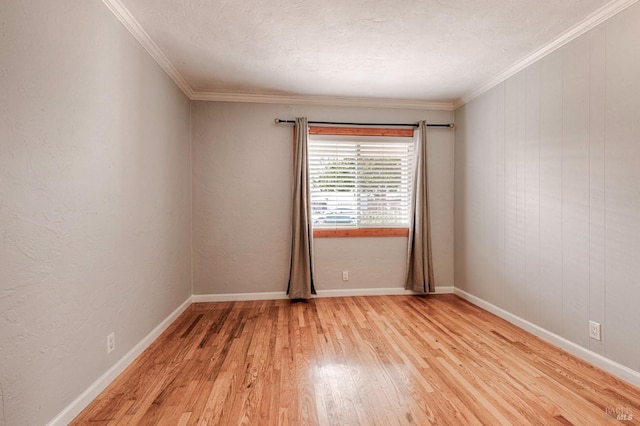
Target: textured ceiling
point(434, 50)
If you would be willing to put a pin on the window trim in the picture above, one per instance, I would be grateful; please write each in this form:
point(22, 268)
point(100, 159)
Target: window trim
point(360, 131)
point(360, 232)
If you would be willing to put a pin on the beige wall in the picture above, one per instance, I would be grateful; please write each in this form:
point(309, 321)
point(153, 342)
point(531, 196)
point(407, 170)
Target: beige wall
point(96, 211)
point(547, 222)
point(242, 202)
point(94, 201)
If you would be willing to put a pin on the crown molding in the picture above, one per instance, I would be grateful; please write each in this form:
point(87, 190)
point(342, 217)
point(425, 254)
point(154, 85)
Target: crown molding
point(596, 18)
point(323, 100)
point(132, 25)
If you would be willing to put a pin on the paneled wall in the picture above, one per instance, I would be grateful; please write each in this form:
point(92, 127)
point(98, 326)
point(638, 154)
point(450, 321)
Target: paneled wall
point(547, 191)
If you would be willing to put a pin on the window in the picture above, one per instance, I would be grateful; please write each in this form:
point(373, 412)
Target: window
point(361, 182)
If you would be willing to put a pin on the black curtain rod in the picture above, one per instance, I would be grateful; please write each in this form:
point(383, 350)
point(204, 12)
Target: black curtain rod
point(448, 125)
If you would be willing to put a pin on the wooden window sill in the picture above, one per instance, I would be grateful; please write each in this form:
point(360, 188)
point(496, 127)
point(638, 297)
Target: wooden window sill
point(360, 232)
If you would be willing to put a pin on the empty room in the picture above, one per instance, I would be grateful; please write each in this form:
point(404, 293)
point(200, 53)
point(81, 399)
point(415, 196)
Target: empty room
point(319, 213)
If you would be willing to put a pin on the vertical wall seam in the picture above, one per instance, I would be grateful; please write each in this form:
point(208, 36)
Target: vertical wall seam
point(562, 325)
point(501, 283)
point(589, 138)
point(604, 190)
point(539, 184)
point(191, 103)
point(504, 183)
point(524, 207)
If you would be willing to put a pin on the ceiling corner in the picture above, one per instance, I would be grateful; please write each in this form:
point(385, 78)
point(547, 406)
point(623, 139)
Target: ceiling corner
point(132, 25)
point(596, 18)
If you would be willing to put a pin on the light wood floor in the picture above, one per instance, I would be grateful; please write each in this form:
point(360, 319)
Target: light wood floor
point(361, 360)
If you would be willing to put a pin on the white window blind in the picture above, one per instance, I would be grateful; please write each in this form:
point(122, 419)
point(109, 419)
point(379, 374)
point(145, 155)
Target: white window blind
point(360, 181)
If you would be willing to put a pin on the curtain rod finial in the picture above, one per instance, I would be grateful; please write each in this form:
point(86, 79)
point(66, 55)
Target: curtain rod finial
point(277, 121)
point(452, 125)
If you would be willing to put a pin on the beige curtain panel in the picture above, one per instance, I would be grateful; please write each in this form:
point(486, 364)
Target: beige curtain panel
point(419, 258)
point(301, 271)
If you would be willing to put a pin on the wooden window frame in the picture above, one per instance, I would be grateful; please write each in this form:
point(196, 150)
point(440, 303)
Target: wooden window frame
point(359, 131)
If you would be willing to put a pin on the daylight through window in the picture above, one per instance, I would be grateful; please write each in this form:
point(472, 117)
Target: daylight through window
point(360, 181)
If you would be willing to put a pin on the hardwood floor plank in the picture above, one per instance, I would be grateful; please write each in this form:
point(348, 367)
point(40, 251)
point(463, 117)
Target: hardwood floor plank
point(382, 360)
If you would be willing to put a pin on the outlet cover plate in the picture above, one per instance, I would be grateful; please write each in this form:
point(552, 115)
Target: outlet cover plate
point(111, 342)
point(594, 330)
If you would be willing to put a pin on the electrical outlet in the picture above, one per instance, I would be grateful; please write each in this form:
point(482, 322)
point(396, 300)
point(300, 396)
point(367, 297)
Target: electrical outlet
point(594, 330)
point(345, 275)
point(111, 342)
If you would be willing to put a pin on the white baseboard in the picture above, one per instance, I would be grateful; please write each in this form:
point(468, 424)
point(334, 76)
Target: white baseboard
point(393, 291)
point(86, 397)
point(239, 297)
point(346, 292)
point(278, 295)
point(618, 370)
